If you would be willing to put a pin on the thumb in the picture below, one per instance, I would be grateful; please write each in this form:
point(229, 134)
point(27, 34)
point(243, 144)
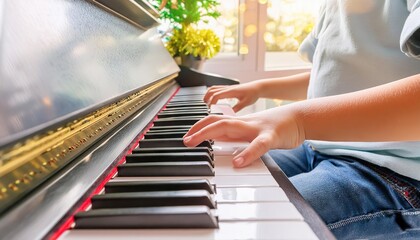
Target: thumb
point(255, 149)
point(239, 106)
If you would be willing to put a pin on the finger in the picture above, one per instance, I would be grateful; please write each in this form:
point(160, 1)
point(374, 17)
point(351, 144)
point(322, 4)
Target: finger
point(239, 106)
point(226, 130)
point(204, 122)
point(221, 95)
point(210, 131)
point(209, 94)
point(217, 86)
point(211, 91)
point(256, 149)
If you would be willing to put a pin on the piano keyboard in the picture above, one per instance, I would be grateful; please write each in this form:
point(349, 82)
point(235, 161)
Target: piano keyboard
point(167, 191)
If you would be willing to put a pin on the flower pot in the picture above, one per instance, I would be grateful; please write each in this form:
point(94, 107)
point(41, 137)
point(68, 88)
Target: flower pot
point(192, 62)
point(189, 77)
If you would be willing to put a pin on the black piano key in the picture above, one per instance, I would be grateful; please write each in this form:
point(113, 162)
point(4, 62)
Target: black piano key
point(192, 91)
point(168, 142)
point(188, 109)
point(185, 105)
point(181, 93)
point(186, 100)
point(184, 130)
point(189, 96)
point(185, 92)
point(176, 121)
point(151, 217)
point(154, 135)
point(184, 109)
point(165, 169)
point(154, 128)
point(172, 185)
point(167, 135)
point(182, 114)
point(154, 199)
point(169, 157)
point(173, 150)
point(168, 130)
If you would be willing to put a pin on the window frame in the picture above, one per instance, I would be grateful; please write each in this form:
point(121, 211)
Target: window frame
point(251, 66)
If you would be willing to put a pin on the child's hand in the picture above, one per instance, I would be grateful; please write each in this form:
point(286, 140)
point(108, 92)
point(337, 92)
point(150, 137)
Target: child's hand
point(246, 94)
point(274, 128)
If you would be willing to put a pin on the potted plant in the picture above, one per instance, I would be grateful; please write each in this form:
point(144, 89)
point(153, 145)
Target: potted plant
point(188, 44)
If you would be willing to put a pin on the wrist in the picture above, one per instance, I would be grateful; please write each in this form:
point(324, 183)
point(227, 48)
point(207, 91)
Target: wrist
point(260, 87)
point(298, 112)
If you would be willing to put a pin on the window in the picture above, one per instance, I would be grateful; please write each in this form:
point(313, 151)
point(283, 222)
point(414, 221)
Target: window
point(288, 24)
point(260, 37)
point(227, 26)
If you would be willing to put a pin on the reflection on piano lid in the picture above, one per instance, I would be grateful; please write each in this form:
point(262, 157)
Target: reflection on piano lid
point(87, 73)
point(71, 73)
point(81, 81)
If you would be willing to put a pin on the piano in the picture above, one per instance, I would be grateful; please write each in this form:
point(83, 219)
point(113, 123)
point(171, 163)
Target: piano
point(93, 110)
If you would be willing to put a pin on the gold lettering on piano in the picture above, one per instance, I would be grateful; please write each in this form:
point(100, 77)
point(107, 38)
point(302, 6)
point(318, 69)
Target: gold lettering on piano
point(26, 164)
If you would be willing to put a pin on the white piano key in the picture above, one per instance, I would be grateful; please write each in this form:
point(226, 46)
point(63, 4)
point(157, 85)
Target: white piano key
point(265, 230)
point(220, 181)
point(223, 108)
point(223, 166)
point(268, 230)
point(245, 181)
point(250, 194)
point(257, 211)
point(228, 148)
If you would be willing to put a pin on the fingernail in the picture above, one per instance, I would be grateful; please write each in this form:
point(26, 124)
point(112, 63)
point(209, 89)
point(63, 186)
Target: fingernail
point(239, 161)
point(187, 139)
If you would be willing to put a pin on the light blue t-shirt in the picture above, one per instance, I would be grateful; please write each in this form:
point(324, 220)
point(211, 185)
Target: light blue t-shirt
point(358, 44)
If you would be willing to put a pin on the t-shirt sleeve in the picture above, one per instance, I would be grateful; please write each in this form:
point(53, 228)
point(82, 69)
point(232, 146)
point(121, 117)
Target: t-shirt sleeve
point(410, 35)
point(307, 47)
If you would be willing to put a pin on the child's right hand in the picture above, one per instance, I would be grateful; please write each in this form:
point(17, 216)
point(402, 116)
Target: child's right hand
point(270, 129)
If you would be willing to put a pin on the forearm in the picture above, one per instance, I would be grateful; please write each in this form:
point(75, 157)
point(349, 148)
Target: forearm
point(292, 87)
point(389, 112)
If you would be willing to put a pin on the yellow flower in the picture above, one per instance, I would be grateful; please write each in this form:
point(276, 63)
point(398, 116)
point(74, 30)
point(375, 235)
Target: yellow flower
point(202, 43)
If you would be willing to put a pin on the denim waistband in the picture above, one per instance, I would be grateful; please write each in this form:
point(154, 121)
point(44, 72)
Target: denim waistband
point(406, 187)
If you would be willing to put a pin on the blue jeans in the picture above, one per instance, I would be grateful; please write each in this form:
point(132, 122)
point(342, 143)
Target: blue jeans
point(355, 199)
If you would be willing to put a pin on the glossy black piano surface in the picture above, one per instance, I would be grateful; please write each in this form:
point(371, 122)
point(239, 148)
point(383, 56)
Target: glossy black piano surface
point(64, 58)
